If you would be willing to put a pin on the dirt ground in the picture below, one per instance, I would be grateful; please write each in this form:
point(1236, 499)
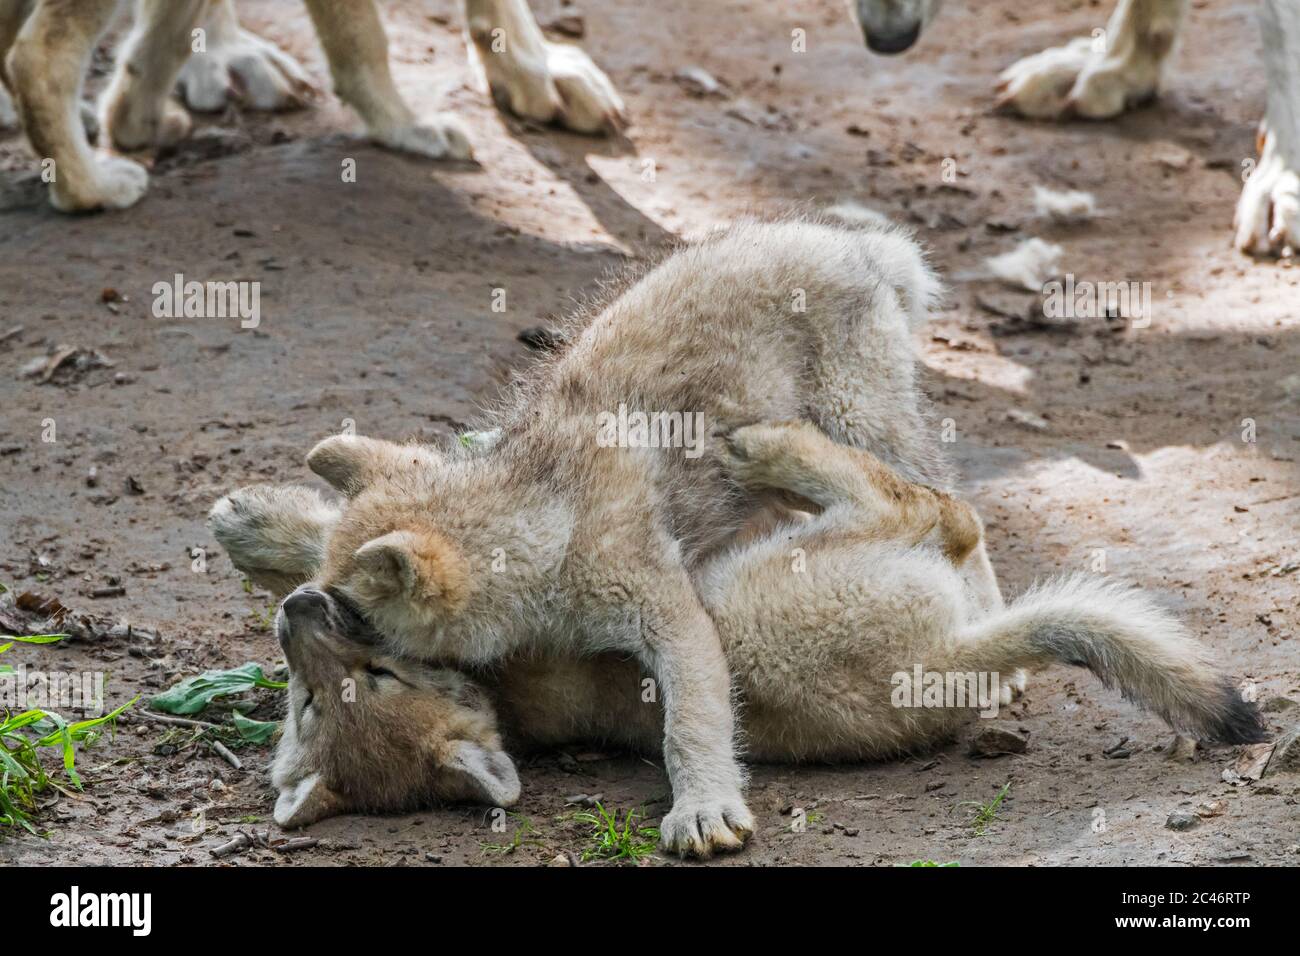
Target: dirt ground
point(376, 307)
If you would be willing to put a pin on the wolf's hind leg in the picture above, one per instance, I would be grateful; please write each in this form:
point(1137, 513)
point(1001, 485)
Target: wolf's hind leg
point(799, 457)
point(138, 109)
point(1100, 76)
point(357, 49)
point(238, 65)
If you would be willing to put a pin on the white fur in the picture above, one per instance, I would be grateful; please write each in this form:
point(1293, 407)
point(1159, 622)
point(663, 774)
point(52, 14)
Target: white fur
point(1067, 207)
point(1268, 213)
point(240, 66)
point(534, 78)
point(1030, 264)
point(1098, 77)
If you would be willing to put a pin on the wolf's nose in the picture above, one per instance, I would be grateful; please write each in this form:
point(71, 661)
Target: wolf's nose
point(306, 600)
point(893, 42)
point(304, 605)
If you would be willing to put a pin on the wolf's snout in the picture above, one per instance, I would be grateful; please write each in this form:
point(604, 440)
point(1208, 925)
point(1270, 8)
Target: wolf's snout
point(893, 42)
point(302, 608)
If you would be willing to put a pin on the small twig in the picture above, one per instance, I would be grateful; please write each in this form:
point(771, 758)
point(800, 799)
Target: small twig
point(178, 721)
point(16, 330)
point(224, 753)
point(242, 841)
point(298, 843)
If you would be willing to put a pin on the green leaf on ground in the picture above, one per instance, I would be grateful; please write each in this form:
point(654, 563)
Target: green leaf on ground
point(194, 693)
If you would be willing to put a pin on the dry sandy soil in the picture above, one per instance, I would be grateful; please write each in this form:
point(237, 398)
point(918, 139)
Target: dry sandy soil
point(376, 304)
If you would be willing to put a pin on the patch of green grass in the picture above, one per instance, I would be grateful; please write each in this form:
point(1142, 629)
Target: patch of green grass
point(929, 863)
point(983, 813)
point(521, 838)
point(263, 620)
point(12, 639)
point(612, 840)
point(23, 736)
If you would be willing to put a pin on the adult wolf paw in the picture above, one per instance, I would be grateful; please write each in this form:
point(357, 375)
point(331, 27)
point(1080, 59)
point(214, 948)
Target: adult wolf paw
point(700, 828)
point(1268, 213)
point(443, 137)
point(242, 67)
point(564, 87)
point(1078, 79)
point(114, 183)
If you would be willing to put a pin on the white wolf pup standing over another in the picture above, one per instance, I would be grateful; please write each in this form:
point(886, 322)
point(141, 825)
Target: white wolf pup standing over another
point(552, 540)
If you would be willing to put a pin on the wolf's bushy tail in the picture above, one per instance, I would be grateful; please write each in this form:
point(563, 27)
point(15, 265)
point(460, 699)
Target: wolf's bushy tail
point(1128, 641)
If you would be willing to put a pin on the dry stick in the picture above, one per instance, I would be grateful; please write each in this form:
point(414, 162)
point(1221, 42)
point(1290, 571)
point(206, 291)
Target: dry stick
point(224, 753)
point(178, 721)
point(241, 842)
point(298, 843)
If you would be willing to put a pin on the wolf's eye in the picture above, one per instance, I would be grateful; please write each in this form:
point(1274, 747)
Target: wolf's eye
point(307, 703)
point(374, 670)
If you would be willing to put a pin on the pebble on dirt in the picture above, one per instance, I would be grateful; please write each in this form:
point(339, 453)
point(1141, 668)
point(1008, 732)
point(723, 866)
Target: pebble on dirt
point(1182, 820)
point(1286, 753)
point(994, 742)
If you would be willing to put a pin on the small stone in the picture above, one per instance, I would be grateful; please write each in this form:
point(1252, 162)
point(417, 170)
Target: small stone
point(1212, 808)
point(570, 24)
point(1182, 820)
point(560, 859)
point(994, 742)
point(698, 81)
point(1286, 754)
point(1027, 419)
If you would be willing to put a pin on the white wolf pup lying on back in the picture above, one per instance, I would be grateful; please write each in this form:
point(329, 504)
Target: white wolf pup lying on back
point(814, 617)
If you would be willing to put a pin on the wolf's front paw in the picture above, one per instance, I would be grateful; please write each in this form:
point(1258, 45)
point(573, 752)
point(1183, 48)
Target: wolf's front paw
point(1268, 212)
point(1078, 79)
point(115, 183)
point(244, 68)
point(443, 137)
point(566, 87)
point(702, 827)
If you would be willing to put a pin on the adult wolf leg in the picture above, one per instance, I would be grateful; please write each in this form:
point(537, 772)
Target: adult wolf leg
point(1268, 213)
point(138, 109)
point(1099, 76)
point(12, 15)
point(534, 78)
point(357, 49)
point(45, 67)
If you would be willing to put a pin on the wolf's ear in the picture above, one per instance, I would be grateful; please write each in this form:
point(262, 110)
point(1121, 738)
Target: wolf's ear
point(351, 462)
point(420, 565)
point(305, 802)
point(491, 773)
point(275, 534)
